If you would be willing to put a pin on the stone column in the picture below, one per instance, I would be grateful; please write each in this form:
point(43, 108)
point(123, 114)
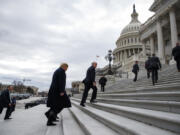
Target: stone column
point(125, 55)
point(152, 45)
point(116, 57)
point(160, 41)
point(133, 51)
point(121, 56)
point(174, 35)
point(144, 48)
point(129, 52)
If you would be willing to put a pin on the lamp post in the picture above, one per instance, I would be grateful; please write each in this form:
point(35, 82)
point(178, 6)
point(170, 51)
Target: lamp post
point(109, 57)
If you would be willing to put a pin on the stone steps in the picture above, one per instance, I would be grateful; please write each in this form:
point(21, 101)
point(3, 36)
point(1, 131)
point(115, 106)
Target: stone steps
point(166, 106)
point(160, 82)
point(70, 125)
point(144, 87)
point(90, 125)
point(176, 75)
point(167, 76)
point(165, 120)
point(149, 81)
point(135, 90)
point(120, 124)
point(139, 108)
point(158, 96)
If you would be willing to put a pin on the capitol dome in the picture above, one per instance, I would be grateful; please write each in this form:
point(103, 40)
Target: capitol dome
point(128, 44)
point(134, 25)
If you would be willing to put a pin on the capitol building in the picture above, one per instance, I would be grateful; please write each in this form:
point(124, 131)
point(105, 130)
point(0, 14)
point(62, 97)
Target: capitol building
point(128, 44)
point(159, 34)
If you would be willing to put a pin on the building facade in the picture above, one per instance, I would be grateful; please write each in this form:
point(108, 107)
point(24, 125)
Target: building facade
point(162, 30)
point(128, 44)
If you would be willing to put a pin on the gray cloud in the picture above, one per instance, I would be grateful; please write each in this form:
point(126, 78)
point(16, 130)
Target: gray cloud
point(37, 35)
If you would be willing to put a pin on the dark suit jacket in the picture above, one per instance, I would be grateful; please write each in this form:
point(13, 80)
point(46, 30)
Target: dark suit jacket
point(5, 98)
point(176, 52)
point(135, 68)
point(58, 86)
point(147, 64)
point(102, 81)
point(157, 61)
point(90, 75)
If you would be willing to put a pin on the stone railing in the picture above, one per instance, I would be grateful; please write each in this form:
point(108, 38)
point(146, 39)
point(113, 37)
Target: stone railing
point(147, 23)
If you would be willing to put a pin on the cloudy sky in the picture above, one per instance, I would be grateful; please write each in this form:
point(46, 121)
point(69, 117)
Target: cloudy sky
point(37, 35)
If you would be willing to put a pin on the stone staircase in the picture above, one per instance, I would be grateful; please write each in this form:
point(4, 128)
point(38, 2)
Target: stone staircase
point(134, 108)
point(169, 78)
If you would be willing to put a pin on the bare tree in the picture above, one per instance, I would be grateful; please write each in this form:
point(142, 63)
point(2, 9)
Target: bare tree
point(18, 86)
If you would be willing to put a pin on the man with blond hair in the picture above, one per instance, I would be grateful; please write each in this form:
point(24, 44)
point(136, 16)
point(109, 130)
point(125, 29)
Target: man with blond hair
point(89, 83)
point(57, 97)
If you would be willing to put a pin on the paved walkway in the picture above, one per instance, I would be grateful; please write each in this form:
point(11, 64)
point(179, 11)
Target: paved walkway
point(27, 122)
point(33, 122)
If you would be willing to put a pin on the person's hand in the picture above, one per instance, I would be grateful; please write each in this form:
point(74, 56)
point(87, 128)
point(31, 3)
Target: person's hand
point(94, 83)
point(9, 104)
point(62, 94)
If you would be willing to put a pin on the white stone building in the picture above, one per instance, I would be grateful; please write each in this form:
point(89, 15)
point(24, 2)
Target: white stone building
point(129, 48)
point(128, 44)
point(162, 30)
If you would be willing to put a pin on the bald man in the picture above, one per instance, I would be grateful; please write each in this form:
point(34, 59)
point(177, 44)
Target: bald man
point(89, 83)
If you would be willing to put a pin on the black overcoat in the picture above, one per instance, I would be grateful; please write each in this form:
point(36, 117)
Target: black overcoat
point(58, 86)
point(5, 98)
point(135, 68)
point(102, 81)
point(155, 63)
point(176, 52)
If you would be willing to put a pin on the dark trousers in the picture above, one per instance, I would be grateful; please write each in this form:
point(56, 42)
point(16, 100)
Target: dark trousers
point(148, 74)
point(86, 90)
point(154, 76)
point(8, 111)
point(178, 63)
point(135, 78)
point(102, 88)
point(52, 113)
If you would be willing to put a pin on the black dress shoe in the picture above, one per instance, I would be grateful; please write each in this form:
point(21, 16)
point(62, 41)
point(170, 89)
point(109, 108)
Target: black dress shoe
point(93, 101)
point(51, 124)
point(7, 118)
point(83, 105)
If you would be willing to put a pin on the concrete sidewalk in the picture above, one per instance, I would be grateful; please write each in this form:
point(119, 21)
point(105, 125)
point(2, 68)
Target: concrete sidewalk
point(33, 122)
point(24, 122)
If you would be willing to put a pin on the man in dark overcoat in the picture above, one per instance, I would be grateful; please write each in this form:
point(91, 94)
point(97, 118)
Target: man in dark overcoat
point(5, 102)
point(176, 54)
point(135, 70)
point(155, 65)
point(89, 83)
point(102, 82)
point(57, 97)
